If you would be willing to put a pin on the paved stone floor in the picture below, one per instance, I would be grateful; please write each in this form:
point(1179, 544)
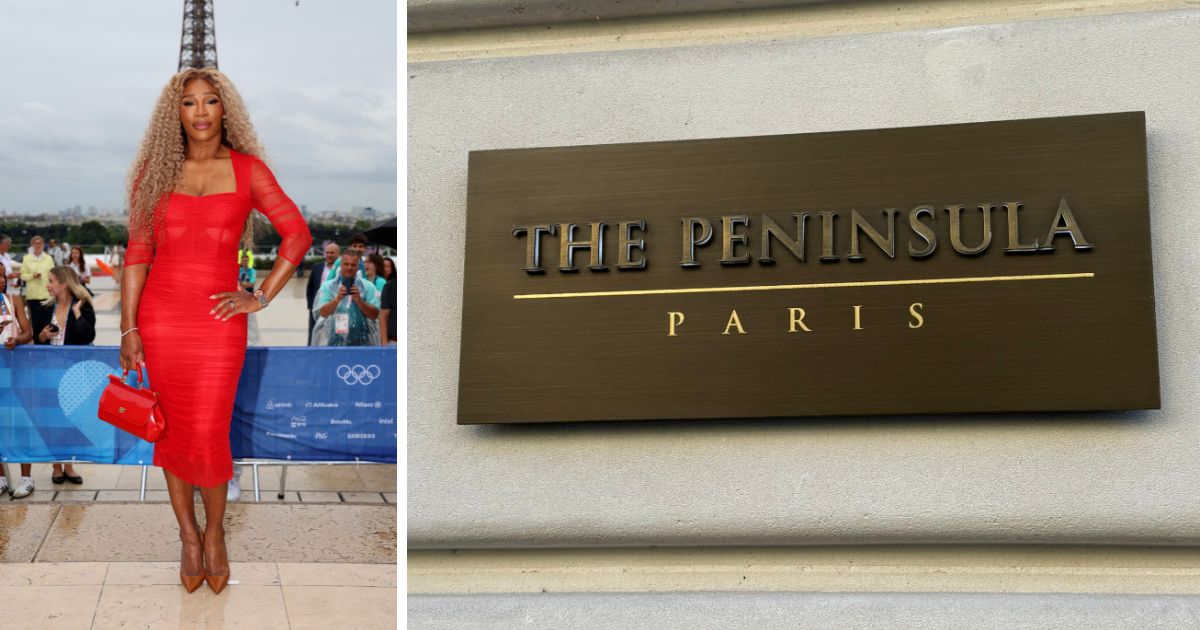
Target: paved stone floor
point(94, 556)
point(115, 565)
point(147, 532)
point(260, 595)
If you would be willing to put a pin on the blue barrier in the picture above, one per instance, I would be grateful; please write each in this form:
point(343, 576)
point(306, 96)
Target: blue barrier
point(294, 404)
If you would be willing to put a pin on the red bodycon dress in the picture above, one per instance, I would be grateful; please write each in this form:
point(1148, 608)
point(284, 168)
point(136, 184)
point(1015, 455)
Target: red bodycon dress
point(193, 360)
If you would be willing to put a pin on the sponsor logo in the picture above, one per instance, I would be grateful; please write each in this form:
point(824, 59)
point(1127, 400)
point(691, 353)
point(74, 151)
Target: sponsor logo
point(322, 405)
point(289, 436)
point(358, 374)
point(360, 436)
point(387, 421)
point(358, 404)
point(271, 404)
point(321, 435)
point(299, 421)
point(340, 421)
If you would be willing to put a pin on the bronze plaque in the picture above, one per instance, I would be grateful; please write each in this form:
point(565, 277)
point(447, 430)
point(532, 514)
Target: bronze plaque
point(984, 267)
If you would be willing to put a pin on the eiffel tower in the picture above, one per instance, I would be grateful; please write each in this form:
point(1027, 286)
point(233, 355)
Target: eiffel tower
point(198, 43)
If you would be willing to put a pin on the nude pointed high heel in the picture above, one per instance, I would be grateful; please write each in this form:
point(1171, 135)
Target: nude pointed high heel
point(193, 582)
point(217, 582)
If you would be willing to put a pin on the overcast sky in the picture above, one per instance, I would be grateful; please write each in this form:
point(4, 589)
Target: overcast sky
point(79, 78)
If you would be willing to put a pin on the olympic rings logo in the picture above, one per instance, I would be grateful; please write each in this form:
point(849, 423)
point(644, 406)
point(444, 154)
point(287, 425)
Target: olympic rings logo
point(357, 374)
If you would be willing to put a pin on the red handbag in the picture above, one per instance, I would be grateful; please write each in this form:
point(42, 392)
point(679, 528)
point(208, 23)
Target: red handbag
point(132, 409)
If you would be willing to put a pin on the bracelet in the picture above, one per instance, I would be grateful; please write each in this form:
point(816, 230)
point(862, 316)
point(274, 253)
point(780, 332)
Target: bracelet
point(129, 331)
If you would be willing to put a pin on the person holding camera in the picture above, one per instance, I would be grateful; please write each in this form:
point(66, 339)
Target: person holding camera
point(347, 308)
point(12, 277)
point(15, 330)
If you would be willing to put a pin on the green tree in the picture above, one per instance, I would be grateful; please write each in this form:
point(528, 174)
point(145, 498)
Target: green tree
point(119, 233)
point(89, 233)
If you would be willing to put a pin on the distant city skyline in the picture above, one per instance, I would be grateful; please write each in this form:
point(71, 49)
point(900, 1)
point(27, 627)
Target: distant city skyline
point(78, 210)
point(80, 80)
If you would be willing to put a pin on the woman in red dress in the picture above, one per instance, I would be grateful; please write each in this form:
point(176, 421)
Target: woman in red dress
point(196, 178)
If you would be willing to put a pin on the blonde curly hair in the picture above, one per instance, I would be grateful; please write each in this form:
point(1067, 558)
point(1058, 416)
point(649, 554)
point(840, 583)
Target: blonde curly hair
point(158, 168)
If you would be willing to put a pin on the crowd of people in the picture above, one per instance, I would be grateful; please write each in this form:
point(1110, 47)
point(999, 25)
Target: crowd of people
point(45, 302)
point(45, 299)
point(352, 297)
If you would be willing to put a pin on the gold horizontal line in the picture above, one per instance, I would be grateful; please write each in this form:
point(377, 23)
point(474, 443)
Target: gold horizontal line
point(815, 285)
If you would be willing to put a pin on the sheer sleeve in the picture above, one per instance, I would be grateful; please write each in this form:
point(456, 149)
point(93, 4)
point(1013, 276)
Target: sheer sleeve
point(285, 217)
point(141, 248)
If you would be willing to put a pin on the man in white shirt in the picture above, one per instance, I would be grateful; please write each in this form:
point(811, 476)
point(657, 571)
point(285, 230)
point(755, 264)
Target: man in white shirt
point(54, 251)
point(10, 271)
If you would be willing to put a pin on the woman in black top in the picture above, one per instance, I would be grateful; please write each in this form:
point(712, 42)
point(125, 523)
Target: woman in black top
point(67, 318)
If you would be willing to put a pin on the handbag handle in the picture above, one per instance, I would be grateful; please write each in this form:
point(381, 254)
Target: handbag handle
point(125, 375)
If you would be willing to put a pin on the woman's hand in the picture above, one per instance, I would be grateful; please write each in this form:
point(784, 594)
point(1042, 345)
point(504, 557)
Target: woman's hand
point(131, 352)
point(46, 334)
point(230, 303)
